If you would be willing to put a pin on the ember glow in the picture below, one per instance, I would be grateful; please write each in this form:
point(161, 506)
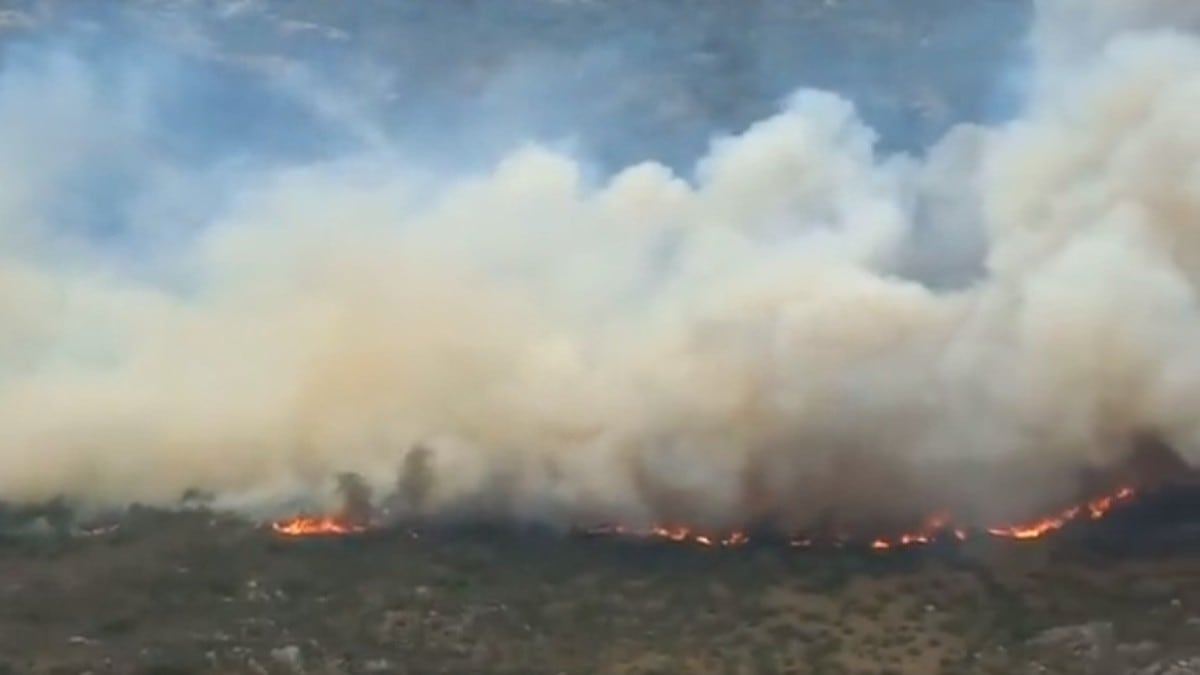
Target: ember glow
point(939, 527)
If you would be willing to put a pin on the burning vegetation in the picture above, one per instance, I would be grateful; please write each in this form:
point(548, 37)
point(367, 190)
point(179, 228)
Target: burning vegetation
point(308, 526)
point(939, 527)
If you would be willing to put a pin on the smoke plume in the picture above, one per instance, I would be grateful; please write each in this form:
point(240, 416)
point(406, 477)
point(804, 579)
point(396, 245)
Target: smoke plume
point(798, 328)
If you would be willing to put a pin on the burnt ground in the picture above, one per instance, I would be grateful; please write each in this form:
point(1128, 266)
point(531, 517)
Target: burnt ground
point(196, 592)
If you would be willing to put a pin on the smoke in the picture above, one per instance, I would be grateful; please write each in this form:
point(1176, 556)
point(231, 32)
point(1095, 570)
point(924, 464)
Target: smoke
point(800, 328)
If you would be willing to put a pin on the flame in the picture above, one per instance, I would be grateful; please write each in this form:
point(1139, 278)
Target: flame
point(309, 526)
point(938, 527)
point(935, 527)
point(1094, 509)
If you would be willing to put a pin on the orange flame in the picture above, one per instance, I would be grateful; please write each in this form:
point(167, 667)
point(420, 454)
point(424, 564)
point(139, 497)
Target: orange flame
point(934, 527)
point(1095, 510)
point(937, 527)
point(310, 526)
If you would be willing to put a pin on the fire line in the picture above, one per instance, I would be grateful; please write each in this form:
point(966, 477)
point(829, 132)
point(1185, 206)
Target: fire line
point(939, 527)
point(309, 526)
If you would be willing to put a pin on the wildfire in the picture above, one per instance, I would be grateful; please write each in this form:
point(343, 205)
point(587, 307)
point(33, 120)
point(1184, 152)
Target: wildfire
point(940, 527)
point(935, 527)
point(313, 526)
point(1094, 510)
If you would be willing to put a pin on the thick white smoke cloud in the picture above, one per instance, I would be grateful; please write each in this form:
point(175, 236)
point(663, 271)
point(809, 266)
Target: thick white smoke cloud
point(771, 340)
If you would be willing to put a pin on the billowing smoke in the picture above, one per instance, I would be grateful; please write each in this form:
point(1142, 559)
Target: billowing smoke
point(799, 327)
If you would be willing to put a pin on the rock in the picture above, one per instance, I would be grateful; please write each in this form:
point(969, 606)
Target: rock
point(288, 657)
point(1090, 647)
point(378, 666)
point(1138, 653)
point(1185, 666)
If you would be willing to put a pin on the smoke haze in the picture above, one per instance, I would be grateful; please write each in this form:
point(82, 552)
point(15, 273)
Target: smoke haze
point(798, 325)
